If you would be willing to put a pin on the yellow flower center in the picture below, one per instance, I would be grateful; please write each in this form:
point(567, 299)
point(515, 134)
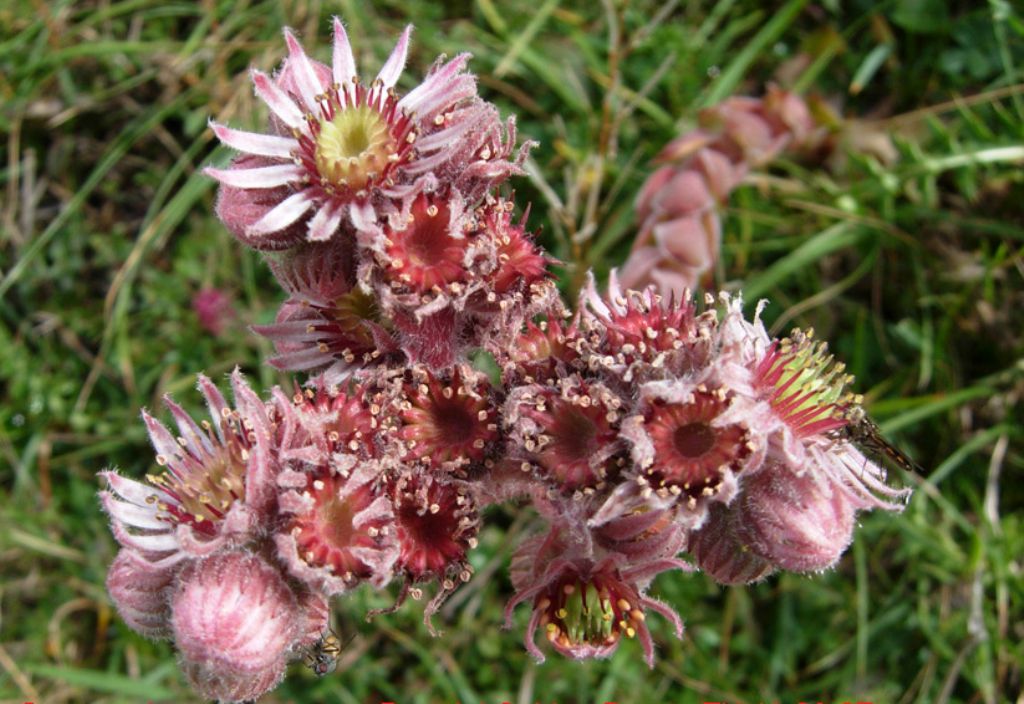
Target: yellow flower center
point(354, 148)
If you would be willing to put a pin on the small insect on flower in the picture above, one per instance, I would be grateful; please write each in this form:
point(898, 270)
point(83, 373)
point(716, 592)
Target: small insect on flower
point(322, 656)
point(867, 436)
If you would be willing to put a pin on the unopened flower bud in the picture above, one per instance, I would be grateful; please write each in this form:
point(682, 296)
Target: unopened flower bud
point(794, 521)
point(139, 591)
point(235, 621)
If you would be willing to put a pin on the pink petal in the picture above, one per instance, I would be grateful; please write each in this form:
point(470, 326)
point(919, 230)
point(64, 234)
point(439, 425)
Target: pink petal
point(433, 86)
point(159, 542)
point(187, 426)
point(344, 65)
point(162, 440)
point(214, 401)
point(325, 223)
point(260, 177)
point(303, 330)
point(301, 360)
point(392, 68)
point(363, 217)
point(128, 489)
point(277, 100)
point(305, 76)
point(445, 137)
point(281, 215)
point(130, 514)
point(252, 143)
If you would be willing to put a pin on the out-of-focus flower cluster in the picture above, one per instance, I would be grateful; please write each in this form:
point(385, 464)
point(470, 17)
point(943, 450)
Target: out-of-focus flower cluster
point(649, 434)
point(680, 234)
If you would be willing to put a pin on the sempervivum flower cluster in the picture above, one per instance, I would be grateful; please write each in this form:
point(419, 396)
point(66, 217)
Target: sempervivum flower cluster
point(646, 429)
point(648, 434)
point(378, 212)
point(677, 210)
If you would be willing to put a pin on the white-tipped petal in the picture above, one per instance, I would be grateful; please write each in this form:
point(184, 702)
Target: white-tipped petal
point(285, 213)
point(343, 64)
point(444, 138)
point(277, 100)
point(305, 76)
point(260, 177)
point(258, 144)
point(198, 440)
point(392, 68)
point(325, 223)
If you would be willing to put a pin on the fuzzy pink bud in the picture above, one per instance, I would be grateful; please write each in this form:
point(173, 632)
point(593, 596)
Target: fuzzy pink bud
point(721, 554)
point(139, 591)
point(793, 520)
point(235, 621)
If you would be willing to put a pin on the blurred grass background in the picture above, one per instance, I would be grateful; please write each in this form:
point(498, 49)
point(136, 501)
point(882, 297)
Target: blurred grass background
point(901, 243)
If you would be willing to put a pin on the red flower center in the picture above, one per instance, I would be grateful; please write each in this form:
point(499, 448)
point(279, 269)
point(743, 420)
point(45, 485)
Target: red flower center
point(448, 421)
point(690, 452)
point(436, 525)
point(576, 441)
point(575, 436)
point(328, 536)
point(425, 254)
point(694, 439)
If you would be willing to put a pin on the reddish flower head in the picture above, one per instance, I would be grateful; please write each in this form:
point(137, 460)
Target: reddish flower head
point(543, 351)
point(584, 604)
point(448, 421)
point(804, 385)
point(340, 529)
point(326, 321)
point(569, 432)
point(519, 264)
point(694, 450)
point(645, 336)
point(437, 524)
point(425, 251)
point(803, 407)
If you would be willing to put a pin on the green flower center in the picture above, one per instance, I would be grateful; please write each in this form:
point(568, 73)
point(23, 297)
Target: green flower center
point(354, 148)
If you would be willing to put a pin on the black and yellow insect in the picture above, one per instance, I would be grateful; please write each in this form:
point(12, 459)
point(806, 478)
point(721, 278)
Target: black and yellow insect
point(322, 656)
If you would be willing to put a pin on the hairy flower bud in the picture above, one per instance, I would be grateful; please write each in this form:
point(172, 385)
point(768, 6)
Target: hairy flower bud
point(140, 592)
point(720, 553)
point(795, 521)
point(235, 621)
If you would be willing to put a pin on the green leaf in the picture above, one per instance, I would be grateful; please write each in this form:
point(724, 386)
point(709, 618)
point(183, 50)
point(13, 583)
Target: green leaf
point(921, 16)
point(102, 681)
point(836, 237)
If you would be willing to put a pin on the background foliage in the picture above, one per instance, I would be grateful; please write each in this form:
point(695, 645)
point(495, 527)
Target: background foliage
point(900, 241)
